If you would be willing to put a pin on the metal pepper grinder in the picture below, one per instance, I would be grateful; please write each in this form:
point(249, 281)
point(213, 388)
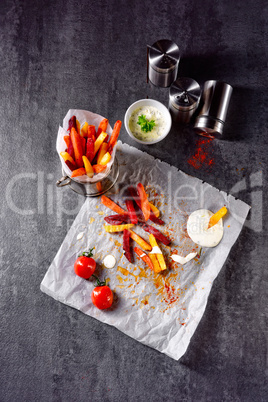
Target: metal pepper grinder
point(215, 101)
point(184, 96)
point(163, 61)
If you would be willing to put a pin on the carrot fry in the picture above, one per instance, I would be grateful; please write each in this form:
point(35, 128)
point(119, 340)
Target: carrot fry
point(78, 172)
point(102, 127)
point(144, 257)
point(217, 216)
point(145, 207)
point(117, 228)
point(99, 186)
point(138, 239)
point(114, 135)
point(112, 205)
point(67, 140)
point(78, 150)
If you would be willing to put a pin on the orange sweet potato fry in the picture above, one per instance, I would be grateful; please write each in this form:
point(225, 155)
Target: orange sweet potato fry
point(144, 257)
point(145, 206)
point(112, 205)
point(77, 145)
point(99, 186)
point(114, 135)
point(99, 168)
point(102, 127)
point(78, 172)
point(67, 140)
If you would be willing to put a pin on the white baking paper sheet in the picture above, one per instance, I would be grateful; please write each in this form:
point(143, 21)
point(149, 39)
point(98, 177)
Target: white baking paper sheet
point(159, 310)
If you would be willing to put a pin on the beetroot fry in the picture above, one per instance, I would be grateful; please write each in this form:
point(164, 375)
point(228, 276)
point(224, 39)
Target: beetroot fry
point(126, 245)
point(158, 235)
point(117, 219)
point(90, 149)
point(91, 132)
point(72, 123)
point(131, 210)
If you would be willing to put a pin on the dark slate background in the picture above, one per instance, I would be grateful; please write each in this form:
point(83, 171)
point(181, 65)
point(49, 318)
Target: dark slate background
point(57, 55)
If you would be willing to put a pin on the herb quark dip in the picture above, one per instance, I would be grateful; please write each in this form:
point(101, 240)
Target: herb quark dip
point(154, 130)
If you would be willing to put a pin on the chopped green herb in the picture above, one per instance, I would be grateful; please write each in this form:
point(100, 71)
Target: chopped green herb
point(145, 124)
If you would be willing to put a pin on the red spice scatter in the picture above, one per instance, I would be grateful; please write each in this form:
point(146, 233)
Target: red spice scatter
point(203, 154)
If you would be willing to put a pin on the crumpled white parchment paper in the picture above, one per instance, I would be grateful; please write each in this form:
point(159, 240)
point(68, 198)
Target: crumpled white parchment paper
point(159, 310)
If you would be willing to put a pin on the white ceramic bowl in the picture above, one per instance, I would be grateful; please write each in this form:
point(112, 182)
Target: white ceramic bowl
point(157, 105)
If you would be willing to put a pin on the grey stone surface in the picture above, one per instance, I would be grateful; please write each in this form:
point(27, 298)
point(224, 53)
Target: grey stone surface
point(57, 55)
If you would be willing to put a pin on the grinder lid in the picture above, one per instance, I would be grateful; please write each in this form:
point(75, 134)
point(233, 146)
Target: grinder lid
point(164, 56)
point(184, 94)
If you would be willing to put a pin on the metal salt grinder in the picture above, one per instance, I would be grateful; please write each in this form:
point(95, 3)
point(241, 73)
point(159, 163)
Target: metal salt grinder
point(163, 61)
point(215, 101)
point(184, 96)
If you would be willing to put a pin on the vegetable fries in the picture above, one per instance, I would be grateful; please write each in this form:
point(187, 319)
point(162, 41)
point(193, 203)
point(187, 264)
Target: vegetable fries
point(89, 151)
point(138, 212)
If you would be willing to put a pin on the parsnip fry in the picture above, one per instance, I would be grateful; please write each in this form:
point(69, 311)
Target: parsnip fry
point(154, 209)
point(102, 151)
point(155, 262)
point(144, 245)
point(117, 228)
point(67, 157)
point(159, 257)
point(99, 141)
point(217, 216)
point(88, 166)
point(105, 159)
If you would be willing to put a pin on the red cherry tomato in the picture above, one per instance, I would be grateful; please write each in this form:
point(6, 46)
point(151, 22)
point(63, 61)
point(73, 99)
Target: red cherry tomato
point(102, 297)
point(85, 266)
